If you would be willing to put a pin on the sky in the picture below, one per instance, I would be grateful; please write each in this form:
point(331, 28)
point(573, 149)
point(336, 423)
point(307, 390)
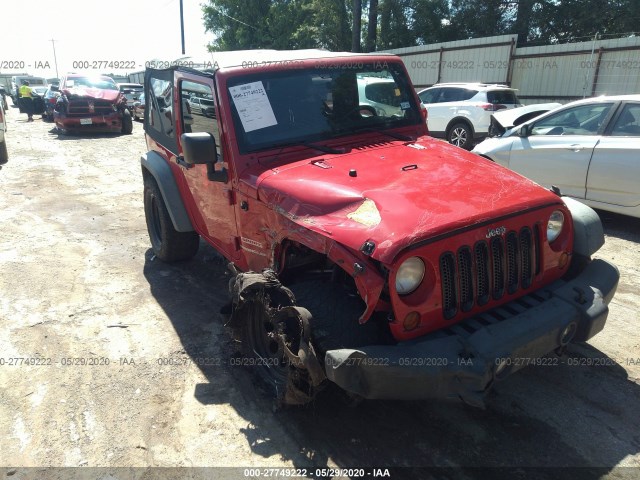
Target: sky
point(90, 33)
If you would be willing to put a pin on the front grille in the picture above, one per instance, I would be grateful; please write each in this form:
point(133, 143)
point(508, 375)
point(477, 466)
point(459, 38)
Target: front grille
point(84, 107)
point(512, 263)
point(475, 276)
point(448, 275)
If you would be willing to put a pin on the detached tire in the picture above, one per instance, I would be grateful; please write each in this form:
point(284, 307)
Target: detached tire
point(127, 123)
point(461, 136)
point(168, 244)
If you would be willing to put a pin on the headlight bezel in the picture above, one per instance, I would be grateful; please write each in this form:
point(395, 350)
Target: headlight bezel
point(404, 284)
point(555, 225)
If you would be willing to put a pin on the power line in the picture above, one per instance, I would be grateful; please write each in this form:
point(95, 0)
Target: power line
point(232, 18)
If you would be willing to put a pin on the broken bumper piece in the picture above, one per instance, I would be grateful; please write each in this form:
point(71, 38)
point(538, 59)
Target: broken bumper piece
point(466, 359)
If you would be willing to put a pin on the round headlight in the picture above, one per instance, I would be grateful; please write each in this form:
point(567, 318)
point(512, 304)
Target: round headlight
point(409, 275)
point(554, 226)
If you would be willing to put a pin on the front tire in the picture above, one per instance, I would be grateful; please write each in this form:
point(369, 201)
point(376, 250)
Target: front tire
point(461, 136)
point(4, 155)
point(127, 122)
point(167, 243)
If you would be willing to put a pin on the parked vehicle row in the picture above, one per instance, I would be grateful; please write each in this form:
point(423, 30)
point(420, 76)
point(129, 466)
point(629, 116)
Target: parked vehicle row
point(34, 82)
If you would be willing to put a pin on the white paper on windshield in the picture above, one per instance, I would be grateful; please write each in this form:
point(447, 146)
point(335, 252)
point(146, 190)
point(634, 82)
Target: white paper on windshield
point(253, 106)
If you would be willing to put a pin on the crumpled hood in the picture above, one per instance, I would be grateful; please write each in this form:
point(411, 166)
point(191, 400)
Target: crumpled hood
point(98, 93)
point(399, 195)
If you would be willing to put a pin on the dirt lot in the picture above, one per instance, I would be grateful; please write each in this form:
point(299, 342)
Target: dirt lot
point(133, 359)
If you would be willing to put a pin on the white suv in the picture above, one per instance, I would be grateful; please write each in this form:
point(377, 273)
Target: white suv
point(461, 112)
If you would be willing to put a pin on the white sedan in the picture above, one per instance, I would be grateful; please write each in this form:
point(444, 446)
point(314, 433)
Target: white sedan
point(589, 149)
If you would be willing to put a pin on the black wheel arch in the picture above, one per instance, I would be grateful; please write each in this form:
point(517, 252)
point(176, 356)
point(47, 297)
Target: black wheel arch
point(155, 166)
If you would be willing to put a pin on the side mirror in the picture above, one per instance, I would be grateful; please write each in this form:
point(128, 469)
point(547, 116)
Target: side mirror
point(524, 131)
point(200, 149)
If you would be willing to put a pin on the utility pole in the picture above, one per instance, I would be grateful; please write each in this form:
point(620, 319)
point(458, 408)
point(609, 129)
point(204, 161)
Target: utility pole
point(586, 75)
point(55, 59)
point(182, 26)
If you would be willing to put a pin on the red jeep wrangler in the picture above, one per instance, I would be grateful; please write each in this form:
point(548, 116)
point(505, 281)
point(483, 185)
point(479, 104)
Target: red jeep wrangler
point(91, 103)
point(363, 251)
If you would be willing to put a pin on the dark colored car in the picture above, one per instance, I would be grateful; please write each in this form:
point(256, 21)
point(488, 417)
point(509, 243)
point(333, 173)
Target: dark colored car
point(4, 155)
point(50, 99)
point(3, 98)
point(138, 108)
point(132, 92)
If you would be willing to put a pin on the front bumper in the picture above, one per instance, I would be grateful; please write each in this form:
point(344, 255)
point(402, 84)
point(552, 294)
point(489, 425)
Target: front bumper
point(465, 360)
point(99, 123)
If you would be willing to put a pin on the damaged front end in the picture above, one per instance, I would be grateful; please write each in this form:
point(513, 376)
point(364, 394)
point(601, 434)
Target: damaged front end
point(83, 108)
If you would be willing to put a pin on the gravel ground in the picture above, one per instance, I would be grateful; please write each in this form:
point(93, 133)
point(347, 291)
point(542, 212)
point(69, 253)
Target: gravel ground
point(112, 359)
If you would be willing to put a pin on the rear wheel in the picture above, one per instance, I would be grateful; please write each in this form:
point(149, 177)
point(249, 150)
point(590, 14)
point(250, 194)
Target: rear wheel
point(168, 244)
point(461, 136)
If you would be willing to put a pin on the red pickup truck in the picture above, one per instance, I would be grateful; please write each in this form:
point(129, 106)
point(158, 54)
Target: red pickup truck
point(363, 252)
point(91, 104)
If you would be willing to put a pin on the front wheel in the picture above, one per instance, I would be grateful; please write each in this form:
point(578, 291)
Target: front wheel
point(127, 122)
point(4, 155)
point(461, 136)
point(167, 243)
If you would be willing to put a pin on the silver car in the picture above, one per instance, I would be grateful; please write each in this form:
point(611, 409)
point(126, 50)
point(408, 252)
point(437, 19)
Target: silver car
point(589, 149)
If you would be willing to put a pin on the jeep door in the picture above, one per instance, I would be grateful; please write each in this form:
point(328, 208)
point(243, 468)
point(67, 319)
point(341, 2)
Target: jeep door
point(212, 200)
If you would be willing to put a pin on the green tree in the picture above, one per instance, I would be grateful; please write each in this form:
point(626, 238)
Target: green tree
point(279, 24)
point(578, 20)
point(395, 24)
point(478, 18)
point(431, 21)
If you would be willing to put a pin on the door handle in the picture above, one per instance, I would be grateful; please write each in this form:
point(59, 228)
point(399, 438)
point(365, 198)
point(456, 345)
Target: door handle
point(575, 147)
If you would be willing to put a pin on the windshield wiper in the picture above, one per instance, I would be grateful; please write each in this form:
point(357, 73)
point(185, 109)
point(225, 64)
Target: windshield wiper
point(321, 148)
point(397, 136)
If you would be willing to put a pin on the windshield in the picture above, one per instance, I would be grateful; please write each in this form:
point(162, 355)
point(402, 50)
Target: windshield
point(35, 81)
point(102, 83)
point(131, 88)
point(295, 106)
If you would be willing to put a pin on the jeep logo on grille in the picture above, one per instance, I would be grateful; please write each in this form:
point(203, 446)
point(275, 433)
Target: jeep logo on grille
point(495, 232)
